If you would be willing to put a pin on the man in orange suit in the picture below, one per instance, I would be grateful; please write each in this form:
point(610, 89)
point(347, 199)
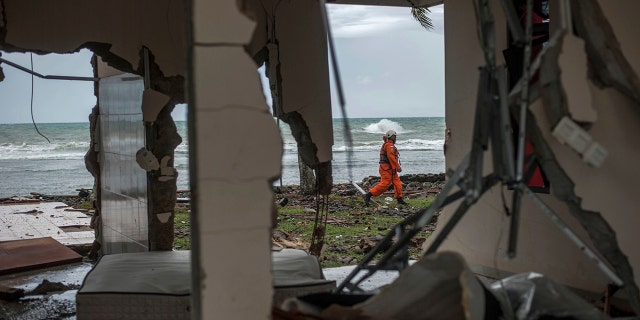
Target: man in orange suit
point(389, 169)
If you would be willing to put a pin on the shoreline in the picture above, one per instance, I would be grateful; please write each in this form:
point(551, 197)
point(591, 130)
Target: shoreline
point(429, 183)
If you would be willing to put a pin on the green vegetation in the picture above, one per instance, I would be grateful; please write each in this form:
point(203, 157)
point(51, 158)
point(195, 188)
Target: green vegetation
point(351, 231)
point(352, 228)
point(182, 220)
point(87, 205)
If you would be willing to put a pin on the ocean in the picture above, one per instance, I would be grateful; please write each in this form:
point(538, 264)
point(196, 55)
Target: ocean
point(28, 163)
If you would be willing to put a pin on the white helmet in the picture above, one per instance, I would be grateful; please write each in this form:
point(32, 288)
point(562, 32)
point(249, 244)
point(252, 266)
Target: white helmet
point(390, 134)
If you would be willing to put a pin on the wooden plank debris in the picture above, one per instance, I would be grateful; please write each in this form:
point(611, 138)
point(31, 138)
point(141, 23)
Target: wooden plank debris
point(23, 255)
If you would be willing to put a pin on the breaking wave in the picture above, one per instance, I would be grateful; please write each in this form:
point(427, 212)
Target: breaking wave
point(383, 126)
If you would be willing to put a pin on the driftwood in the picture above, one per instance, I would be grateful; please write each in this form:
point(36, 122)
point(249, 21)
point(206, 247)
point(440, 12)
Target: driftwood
point(31, 212)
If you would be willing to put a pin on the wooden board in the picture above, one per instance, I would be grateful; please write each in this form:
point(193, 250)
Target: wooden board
point(24, 255)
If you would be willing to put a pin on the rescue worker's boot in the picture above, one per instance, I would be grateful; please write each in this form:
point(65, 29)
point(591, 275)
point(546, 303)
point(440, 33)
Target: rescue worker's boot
point(402, 202)
point(367, 198)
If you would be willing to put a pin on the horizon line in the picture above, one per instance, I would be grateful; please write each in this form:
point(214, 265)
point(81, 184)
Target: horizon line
point(340, 118)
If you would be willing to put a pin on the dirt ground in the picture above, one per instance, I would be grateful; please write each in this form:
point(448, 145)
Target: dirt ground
point(352, 229)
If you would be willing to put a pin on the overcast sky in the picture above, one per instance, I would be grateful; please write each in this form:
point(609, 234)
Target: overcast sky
point(390, 67)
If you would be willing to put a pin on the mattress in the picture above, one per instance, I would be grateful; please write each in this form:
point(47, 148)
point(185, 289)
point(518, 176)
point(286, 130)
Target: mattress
point(142, 285)
point(296, 273)
point(156, 285)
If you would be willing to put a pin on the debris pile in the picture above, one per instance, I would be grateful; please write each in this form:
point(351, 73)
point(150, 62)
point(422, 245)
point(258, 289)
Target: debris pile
point(442, 286)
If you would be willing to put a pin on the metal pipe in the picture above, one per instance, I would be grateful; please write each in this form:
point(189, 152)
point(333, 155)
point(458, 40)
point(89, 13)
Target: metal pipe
point(512, 22)
point(147, 76)
point(19, 67)
point(524, 104)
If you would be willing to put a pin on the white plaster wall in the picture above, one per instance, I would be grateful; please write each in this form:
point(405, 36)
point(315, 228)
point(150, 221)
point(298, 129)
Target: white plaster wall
point(239, 151)
point(482, 234)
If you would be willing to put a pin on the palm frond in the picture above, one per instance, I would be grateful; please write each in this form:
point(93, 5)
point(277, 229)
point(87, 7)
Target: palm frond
point(421, 15)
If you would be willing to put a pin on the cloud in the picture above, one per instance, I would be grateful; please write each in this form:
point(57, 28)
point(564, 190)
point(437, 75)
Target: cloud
point(354, 21)
point(363, 80)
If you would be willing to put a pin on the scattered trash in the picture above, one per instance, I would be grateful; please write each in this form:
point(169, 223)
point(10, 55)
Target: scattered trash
point(534, 296)
point(442, 286)
point(47, 286)
point(31, 212)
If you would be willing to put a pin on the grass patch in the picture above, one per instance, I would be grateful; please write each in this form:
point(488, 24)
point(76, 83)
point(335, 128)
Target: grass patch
point(182, 221)
point(347, 228)
point(87, 205)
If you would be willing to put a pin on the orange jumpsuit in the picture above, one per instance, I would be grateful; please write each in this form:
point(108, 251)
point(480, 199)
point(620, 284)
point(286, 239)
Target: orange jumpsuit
point(389, 165)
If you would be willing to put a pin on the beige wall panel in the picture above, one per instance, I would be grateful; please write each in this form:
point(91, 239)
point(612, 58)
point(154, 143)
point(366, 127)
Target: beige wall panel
point(461, 77)
point(239, 151)
point(610, 189)
point(64, 25)
point(321, 131)
point(104, 70)
point(220, 22)
point(236, 274)
point(399, 3)
point(305, 85)
point(622, 15)
point(482, 237)
point(613, 189)
point(462, 58)
point(303, 56)
point(257, 10)
point(227, 207)
point(237, 144)
point(227, 76)
point(573, 72)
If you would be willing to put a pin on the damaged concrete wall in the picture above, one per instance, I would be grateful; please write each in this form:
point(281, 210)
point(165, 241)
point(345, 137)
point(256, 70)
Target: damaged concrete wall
point(125, 26)
point(482, 234)
point(402, 3)
point(237, 155)
point(290, 38)
point(117, 31)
